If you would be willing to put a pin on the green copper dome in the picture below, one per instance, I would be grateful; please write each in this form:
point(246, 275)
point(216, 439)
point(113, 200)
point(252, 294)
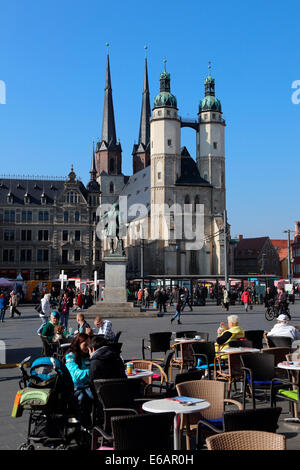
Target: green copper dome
point(210, 103)
point(165, 98)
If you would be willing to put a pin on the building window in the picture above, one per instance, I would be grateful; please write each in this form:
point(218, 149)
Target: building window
point(65, 256)
point(213, 116)
point(26, 255)
point(66, 217)
point(215, 145)
point(76, 255)
point(10, 199)
point(169, 142)
point(77, 235)
point(42, 255)
point(8, 235)
point(187, 199)
point(65, 235)
point(25, 235)
point(197, 201)
point(9, 256)
point(111, 187)
point(159, 175)
point(168, 112)
point(9, 217)
point(77, 216)
point(159, 113)
point(43, 235)
point(205, 116)
point(26, 217)
point(43, 216)
point(97, 255)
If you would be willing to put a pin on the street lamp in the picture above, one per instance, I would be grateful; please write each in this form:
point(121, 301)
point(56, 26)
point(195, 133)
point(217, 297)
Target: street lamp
point(289, 253)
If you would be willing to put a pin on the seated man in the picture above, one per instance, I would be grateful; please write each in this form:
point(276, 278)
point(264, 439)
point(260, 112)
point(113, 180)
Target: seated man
point(230, 333)
point(105, 363)
point(103, 327)
point(49, 328)
point(282, 328)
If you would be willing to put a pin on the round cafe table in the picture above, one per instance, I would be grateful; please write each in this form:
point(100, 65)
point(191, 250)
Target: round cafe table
point(139, 374)
point(165, 405)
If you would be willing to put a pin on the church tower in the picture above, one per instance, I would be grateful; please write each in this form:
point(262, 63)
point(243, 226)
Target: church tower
point(165, 130)
point(211, 143)
point(141, 150)
point(108, 151)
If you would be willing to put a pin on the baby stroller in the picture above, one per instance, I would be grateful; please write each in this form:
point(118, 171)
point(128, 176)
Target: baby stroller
point(47, 392)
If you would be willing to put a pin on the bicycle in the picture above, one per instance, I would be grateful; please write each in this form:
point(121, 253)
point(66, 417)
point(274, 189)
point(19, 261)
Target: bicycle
point(272, 311)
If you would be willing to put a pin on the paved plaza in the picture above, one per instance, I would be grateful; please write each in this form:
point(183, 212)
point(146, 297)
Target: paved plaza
point(19, 335)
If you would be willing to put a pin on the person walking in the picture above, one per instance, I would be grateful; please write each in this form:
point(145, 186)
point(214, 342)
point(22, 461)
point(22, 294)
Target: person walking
point(64, 308)
point(163, 301)
point(187, 300)
point(45, 312)
point(177, 304)
point(146, 297)
point(13, 302)
point(246, 299)
point(225, 299)
point(2, 307)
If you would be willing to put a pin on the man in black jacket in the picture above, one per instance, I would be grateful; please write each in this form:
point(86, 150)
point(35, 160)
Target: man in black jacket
point(105, 363)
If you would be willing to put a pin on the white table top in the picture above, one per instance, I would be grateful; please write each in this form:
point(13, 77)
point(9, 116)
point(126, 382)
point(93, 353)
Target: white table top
point(289, 365)
point(188, 340)
point(165, 405)
point(238, 350)
point(139, 373)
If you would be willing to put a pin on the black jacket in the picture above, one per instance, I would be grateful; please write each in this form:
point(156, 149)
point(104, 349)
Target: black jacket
point(106, 364)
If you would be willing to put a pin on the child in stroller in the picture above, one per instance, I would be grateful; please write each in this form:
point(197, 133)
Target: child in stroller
point(48, 393)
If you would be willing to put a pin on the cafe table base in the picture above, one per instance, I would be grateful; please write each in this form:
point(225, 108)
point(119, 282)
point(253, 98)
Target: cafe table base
point(167, 405)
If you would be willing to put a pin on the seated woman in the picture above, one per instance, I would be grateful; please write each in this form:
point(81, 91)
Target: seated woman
point(230, 333)
point(78, 364)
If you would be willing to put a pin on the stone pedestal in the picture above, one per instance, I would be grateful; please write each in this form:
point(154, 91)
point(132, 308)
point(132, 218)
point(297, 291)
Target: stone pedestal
point(115, 290)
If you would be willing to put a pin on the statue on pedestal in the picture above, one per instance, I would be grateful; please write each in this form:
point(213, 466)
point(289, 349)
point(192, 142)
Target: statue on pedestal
point(112, 222)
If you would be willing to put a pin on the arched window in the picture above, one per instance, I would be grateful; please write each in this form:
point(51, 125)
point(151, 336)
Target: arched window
point(77, 216)
point(111, 165)
point(111, 187)
point(197, 201)
point(187, 199)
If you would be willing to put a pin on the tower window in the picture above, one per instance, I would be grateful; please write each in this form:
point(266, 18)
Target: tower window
point(205, 116)
point(213, 116)
point(168, 112)
point(215, 145)
point(159, 175)
point(111, 187)
point(111, 165)
point(159, 113)
point(169, 142)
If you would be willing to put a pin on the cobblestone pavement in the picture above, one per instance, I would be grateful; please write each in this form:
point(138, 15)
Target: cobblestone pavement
point(21, 340)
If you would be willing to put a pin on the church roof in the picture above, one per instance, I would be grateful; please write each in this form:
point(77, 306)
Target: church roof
point(189, 171)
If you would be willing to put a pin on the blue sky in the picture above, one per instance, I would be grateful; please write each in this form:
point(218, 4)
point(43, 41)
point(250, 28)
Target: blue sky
point(52, 60)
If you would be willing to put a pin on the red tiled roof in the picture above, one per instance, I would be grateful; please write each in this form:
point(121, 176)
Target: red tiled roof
point(281, 247)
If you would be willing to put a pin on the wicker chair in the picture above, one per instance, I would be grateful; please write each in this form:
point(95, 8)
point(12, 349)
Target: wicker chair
point(150, 431)
point(229, 370)
point(210, 390)
point(246, 440)
point(159, 379)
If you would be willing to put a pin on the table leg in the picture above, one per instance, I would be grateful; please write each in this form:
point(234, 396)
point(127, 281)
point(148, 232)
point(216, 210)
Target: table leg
point(177, 432)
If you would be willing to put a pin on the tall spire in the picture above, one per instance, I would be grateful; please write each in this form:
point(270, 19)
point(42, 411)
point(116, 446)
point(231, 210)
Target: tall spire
point(108, 123)
point(144, 134)
point(141, 150)
point(93, 170)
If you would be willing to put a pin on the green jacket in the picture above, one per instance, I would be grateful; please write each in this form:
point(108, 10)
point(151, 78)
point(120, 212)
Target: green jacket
point(48, 331)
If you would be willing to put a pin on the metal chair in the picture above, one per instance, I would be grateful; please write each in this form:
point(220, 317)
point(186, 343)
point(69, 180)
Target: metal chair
point(279, 342)
point(204, 356)
point(158, 342)
point(246, 440)
point(256, 336)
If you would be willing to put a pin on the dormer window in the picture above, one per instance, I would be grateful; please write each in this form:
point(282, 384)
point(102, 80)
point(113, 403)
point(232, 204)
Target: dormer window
point(43, 199)
point(27, 198)
point(10, 198)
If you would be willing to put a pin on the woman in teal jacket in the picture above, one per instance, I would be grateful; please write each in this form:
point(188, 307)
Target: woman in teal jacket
point(78, 364)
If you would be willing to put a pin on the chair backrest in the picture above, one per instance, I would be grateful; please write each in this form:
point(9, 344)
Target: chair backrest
point(115, 393)
point(256, 336)
point(279, 353)
point(117, 336)
point(292, 357)
point(246, 440)
point(186, 334)
point(116, 347)
point(153, 366)
point(149, 431)
point(279, 342)
point(207, 348)
point(211, 390)
point(47, 348)
point(160, 342)
point(167, 363)
point(259, 419)
point(240, 343)
point(188, 376)
point(261, 365)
